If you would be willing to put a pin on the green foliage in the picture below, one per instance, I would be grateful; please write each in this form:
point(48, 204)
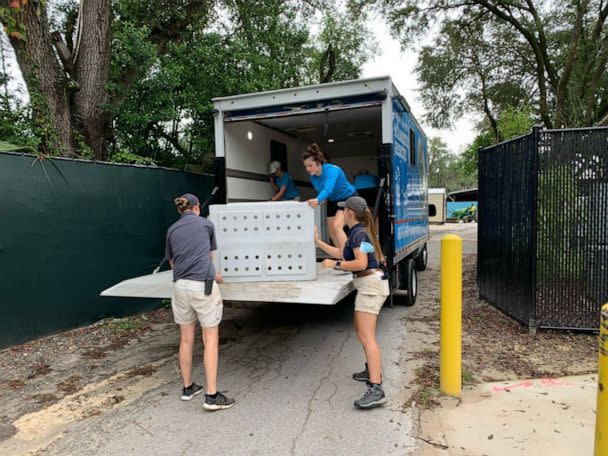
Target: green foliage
point(131, 158)
point(486, 56)
point(123, 324)
point(15, 118)
point(514, 122)
point(8, 147)
point(170, 58)
point(511, 123)
point(446, 169)
point(352, 44)
point(470, 156)
point(556, 255)
point(252, 46)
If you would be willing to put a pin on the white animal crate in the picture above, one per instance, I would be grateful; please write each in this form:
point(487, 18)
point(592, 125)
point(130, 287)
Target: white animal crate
point(262, 242)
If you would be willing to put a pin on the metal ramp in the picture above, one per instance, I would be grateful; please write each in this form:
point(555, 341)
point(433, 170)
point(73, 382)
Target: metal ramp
point(328, 288)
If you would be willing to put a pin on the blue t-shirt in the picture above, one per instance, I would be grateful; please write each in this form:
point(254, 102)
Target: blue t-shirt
point(287, 181)
point(356, 236)
point(332, 184)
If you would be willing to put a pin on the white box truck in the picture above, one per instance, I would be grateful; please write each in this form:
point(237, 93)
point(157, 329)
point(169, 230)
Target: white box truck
point(360, 125)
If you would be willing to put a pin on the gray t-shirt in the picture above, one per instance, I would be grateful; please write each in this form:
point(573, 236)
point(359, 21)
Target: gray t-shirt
point(189, 243)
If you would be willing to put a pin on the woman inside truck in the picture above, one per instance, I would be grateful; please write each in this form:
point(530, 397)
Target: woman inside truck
point(362, 256)
point(332, 187)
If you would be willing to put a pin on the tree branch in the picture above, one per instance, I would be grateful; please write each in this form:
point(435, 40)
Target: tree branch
point(540, 60)
point(63, 52)
point(173, 139)
point(569, 63)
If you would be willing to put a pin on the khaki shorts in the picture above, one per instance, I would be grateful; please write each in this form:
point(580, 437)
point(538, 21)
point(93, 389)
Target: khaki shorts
point(371, 293)
point(189, 302)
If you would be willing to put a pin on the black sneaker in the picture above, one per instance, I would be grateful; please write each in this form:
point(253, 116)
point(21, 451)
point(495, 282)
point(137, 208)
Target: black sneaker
point(362, 376)
point(191, 391)
point(219, 402)
point(373, 397)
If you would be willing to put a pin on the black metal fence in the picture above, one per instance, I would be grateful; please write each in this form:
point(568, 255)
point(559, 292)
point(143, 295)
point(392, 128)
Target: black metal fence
point(543, 227)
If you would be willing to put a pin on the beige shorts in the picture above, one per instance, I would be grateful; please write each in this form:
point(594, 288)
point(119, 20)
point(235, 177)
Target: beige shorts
point(371, 293)
point(189, 302)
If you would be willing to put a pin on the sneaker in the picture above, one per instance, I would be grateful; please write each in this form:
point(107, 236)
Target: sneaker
point(191, 391)
point(373, 397)
point(362, 376)
point(219, 402)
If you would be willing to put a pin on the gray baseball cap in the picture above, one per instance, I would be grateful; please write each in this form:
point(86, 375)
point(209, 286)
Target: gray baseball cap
point(355, 203)
point(192, 199)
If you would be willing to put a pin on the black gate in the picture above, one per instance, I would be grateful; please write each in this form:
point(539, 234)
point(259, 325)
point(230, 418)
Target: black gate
point(543, 227)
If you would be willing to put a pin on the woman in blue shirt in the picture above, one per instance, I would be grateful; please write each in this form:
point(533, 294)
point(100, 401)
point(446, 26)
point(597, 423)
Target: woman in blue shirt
point(332, 186)
point(362, 256)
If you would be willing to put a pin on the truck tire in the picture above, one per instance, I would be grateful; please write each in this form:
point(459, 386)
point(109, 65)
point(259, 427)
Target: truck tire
point(408, 291)
point(422, 259)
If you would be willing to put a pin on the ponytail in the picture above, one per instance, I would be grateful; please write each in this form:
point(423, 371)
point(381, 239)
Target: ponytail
point(368, 222)
point(313, 151)
point(183, 204)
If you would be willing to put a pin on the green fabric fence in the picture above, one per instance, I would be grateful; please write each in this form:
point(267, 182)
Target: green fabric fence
point(69, 229)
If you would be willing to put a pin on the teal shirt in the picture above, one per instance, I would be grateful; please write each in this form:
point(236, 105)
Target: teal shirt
point(332, 184)
point(287, 181)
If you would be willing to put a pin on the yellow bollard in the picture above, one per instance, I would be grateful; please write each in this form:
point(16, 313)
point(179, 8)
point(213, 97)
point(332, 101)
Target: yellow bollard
point(601, 414)
point(451, 315)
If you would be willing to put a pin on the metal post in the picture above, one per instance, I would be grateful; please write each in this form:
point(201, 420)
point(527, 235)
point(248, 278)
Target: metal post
point(601, 414)
point(451, 315)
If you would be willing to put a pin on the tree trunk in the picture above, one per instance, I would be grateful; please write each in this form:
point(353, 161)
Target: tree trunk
point(43, 75)
point(68, 84)
point(92, 72)
point(70, 111)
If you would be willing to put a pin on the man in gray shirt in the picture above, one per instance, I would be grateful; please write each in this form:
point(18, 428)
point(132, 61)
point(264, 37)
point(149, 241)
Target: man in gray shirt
point(190, 243)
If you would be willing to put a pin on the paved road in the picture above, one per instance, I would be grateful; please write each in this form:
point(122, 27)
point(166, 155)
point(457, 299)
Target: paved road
point(289, 368)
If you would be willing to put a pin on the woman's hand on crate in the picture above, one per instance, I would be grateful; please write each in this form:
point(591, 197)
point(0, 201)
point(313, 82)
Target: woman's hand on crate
point(313, 202)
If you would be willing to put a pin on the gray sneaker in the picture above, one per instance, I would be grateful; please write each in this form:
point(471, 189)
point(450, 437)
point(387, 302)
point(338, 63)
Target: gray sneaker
point(219, 402)
point(373, 397)
point(191, 391)
point(362, 376)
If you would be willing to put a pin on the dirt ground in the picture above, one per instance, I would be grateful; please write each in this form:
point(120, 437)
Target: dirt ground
point(494, 346)
point(124, 354)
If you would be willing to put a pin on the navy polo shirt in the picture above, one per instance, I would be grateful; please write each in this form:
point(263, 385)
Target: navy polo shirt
point(189, 243)
point(356, 236)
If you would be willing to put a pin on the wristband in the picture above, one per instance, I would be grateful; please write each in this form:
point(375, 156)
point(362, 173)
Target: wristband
point(337, 266)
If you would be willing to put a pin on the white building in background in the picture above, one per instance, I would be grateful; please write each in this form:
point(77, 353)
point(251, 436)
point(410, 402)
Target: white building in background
point(438, 207)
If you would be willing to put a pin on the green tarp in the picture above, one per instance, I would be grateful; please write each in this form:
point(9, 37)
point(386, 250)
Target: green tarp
point(70, 229)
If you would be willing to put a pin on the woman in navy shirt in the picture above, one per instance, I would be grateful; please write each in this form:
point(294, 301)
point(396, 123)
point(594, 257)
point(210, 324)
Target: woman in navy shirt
point(332, 186)
point(372, 289)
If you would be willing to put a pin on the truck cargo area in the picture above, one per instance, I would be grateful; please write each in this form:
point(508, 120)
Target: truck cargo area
point(349, 136)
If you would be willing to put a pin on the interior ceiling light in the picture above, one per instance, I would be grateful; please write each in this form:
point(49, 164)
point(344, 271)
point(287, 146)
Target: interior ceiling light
point(249, 135)
point(330, 140)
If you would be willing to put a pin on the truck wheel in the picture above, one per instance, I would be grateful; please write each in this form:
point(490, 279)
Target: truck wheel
point(422, 259)
point(409, 284)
